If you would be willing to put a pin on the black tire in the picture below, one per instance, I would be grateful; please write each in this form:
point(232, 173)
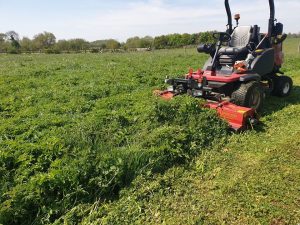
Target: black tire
point(283, 86)
point(249, 95)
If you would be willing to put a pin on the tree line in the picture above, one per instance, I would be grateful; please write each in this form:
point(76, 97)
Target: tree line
point(46, 42)
point(294, 35)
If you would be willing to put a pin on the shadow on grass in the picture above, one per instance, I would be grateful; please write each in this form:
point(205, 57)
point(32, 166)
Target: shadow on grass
point(275, 104)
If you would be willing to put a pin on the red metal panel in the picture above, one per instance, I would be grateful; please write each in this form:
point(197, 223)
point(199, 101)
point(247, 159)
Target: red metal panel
point(167, 95)
point(212, 76)
point(237, 116)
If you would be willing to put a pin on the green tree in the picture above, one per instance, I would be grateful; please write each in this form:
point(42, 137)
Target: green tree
point(186, 39)
point(78, 44)
point(44, 41)
point(175, 40)
point(62, 45)
point(103, 46)
point(113, 44)
point(134, 42)
point(13, 38)
point(3, 43)
point(206, 37)
point(161, 42)
point(99, 44)
point(26, 44)
point(146, 42)
point(194, 38)
point(12, 35)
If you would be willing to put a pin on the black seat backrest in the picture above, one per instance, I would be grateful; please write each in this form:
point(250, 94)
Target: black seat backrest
point(241, 36)
point(255, 37)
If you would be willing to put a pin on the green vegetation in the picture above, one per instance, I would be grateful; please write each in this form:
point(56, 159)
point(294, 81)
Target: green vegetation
point(46, 42)
point(75, 129)
point(291, 47)
point(83, 140)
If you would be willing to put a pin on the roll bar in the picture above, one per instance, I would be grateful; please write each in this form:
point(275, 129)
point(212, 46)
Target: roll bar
point(228, 11)
point(271, 20)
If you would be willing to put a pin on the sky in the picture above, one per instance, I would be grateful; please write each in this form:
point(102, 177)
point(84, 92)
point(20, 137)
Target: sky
point(121, 19)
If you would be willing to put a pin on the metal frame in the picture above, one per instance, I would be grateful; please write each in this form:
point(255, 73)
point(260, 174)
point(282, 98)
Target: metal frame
point(271, 19)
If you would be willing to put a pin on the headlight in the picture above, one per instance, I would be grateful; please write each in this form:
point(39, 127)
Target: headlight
point(171, 89)
point(197, 93)
point(169, 81)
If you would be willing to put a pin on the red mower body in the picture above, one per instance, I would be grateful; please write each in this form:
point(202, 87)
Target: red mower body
point(242, 69)
point(214, 76)
point(238, 117)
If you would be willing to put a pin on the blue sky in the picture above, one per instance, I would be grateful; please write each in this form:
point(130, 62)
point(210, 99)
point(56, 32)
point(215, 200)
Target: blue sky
point(99, 19)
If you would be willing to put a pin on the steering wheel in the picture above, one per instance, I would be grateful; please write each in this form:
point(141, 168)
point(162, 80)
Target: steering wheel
point(222, 36)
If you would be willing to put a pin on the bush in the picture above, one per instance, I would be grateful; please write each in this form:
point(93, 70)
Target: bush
point(52, 51)
point(94, 50)
point(13, 51)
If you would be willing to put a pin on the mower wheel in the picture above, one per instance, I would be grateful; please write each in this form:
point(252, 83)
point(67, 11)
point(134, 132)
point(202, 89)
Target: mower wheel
point(250, 95)
point(282, 86)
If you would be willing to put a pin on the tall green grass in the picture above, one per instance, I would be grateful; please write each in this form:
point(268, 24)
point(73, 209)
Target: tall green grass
point(254, 178)
point(291, 46)
point(79, 128)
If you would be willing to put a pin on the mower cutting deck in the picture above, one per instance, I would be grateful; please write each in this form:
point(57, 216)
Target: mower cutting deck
point(242, 69)
point(239, 118)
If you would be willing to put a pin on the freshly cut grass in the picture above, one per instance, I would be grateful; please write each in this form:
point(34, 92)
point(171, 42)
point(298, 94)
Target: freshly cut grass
point(251, 178)
point(79, 128)
point(82, 140)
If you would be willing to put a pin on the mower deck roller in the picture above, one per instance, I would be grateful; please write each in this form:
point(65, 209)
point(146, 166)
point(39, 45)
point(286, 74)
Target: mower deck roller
point(244, 65)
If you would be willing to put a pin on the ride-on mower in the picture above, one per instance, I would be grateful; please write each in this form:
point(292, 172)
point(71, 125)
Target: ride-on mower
point(242, 69)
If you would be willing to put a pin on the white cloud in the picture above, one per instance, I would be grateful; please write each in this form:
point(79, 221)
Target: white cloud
point(157, 17)
point(151, 17)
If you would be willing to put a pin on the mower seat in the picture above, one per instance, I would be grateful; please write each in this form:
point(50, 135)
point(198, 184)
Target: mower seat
point(233, 50)
point(240, 38)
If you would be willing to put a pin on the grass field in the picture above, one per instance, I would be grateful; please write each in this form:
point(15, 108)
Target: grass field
point(82, 140)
